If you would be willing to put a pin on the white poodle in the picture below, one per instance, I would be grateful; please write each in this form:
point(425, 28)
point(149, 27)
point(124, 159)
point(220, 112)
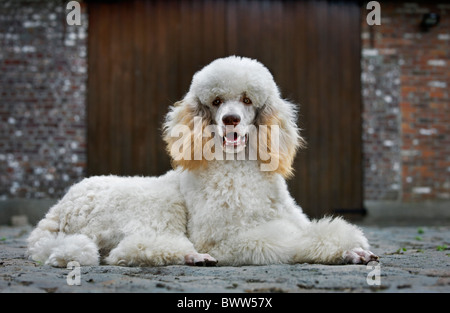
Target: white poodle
point(232, 140)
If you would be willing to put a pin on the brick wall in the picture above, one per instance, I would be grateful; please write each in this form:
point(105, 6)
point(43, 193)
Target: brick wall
point(43, 65)
point(406, 79)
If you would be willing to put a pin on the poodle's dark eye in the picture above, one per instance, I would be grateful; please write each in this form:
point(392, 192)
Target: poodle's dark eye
point(247, 101)
point(217, 102)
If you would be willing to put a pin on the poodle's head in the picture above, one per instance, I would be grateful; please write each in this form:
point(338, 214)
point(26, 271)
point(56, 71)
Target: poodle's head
point(233, 107)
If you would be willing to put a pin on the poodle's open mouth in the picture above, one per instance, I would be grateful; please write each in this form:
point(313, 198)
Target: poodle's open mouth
point(233, 139)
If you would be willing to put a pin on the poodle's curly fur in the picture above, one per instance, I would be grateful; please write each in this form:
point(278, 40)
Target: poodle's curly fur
point(231, 210)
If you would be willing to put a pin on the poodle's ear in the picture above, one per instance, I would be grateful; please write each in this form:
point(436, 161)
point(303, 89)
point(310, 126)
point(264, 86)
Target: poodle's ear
point(182, 132)
point(278, 119)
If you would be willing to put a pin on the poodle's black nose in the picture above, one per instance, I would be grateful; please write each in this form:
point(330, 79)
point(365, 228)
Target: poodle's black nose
point(231, 119)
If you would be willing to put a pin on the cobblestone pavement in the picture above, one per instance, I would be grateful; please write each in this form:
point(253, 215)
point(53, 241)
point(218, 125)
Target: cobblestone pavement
point(412, 259)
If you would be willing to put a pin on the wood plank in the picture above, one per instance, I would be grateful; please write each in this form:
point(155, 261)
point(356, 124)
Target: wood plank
point(346, 122)
point(151, 77)
point(298, 42)
point(357, 151)
point(140, 106)
point(333, 106)
point(231, 28)
point(324, 130)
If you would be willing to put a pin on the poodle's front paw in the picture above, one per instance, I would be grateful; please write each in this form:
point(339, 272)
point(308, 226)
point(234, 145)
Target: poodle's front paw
point(199, 259)
point(359, 256)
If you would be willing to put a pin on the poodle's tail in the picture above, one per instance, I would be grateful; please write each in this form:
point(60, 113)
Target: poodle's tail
point(47, 245)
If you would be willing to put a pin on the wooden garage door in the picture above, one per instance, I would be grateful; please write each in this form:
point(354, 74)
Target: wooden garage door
point(142, 55)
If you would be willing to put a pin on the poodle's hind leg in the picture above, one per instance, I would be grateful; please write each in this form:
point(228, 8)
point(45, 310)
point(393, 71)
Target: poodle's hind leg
point(58, 249)
point(47, 245)
point(152, 249)
point(333, 241)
